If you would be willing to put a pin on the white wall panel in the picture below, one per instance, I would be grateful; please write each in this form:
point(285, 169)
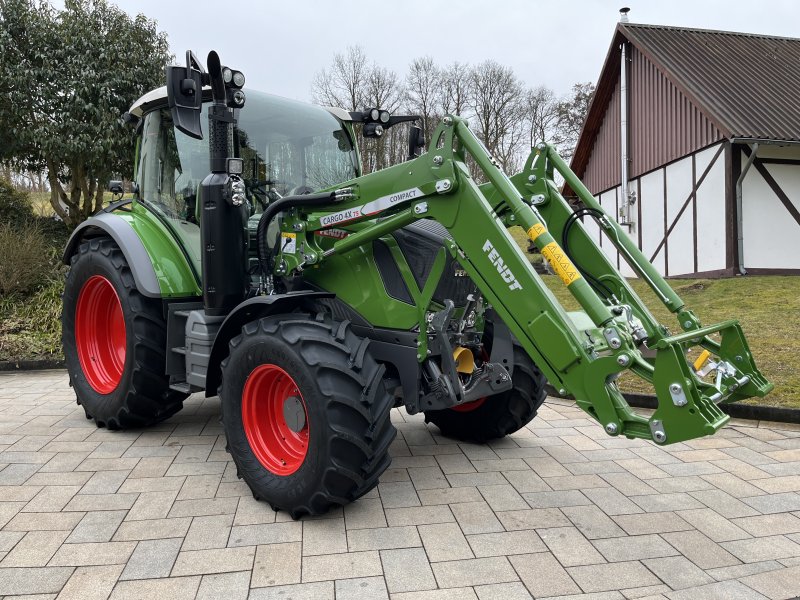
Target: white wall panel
point(680, 245)
point(652, 224)
point(711, 240)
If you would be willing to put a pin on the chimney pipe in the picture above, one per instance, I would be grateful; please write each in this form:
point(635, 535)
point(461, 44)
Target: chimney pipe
point(623, 14)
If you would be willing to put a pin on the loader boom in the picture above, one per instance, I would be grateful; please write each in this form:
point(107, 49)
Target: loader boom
point(580, 353)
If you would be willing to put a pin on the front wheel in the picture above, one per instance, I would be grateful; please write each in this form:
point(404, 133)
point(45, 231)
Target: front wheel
point(115, 341)
point(499, 415)
point(306, 412)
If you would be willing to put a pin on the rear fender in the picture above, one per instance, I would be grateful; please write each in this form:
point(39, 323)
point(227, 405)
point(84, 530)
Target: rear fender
point(252, 310)
point(111, 225)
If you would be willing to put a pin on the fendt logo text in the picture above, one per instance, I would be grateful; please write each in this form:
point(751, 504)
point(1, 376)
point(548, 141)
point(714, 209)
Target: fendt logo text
point(497, 261)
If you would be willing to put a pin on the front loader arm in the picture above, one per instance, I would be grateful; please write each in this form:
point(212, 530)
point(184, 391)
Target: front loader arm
point(582, 354)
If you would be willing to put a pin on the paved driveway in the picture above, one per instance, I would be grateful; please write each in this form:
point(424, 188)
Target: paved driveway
point(556, 510)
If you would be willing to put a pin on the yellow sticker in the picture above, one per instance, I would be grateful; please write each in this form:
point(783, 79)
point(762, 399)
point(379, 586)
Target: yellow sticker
point(535, 231)
point(288, 242)
point(561, 263)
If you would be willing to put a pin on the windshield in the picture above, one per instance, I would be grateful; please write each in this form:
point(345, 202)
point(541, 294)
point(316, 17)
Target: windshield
point(287, 146)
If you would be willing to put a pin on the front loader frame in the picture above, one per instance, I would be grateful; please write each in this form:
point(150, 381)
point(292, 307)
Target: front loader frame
point(580, 353)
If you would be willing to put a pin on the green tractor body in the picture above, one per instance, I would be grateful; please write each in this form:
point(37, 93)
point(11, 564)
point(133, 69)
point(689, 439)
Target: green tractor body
point(313, 298)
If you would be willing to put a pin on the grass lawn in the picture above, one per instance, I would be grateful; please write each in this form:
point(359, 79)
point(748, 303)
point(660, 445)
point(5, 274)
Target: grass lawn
point(767, 307)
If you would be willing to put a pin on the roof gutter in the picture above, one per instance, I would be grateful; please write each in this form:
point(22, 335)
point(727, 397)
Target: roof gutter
point(739, 220)
point(764, 141)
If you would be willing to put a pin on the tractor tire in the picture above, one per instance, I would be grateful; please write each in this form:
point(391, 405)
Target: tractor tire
point(499, 415)
point(114, 341)
point(305, 410)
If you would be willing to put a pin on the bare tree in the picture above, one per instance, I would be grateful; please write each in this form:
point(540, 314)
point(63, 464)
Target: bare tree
point(455, 89)
point(344, 83)
point(572, 112)
point(541, 115)
point(424, 93)
point(496, 99)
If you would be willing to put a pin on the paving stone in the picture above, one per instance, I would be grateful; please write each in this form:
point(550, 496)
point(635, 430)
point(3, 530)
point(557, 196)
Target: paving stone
point(91, 554)
point(271, 533)
point(506, 543)
point(419, 515)
point(364, 513)
point(364, 588)
point(556, 499)
point(208, 532)
point(35, 549)
point(324, 536)
point(152, 529)
point(38, 580)
point(322, 590)
point(783, 583)
point(384, 538)
point(635, 547)
point(449, 496)
point(476, 571)
point(502, 497)
point(250, 511)
point(97, 526)
point(502, 591)
point(690, 483)
point(427, 478)
point(569, 546)
point(774, 503)
point(543, 576)
point(612, 576)
point(476, 517)
point(277, 564)
point(657, 522)
point(743, 570)
point(763, 548)
point(678, 572)
point(398, 564)
point(725, 590)
point(770, 524)
point(713, 525)
point(231, 586)
point(152, 559)
point(666, 502)
point(331, 566)
point(532, 519)
point(592, 522)
point(44, 521)
point(628, 484)
point(699, 549)
point(204, 508)
point(91, 583)
point(398, 494)
point(455, 463)
point(612, 502)
point(723, 503)
point(175, 588)
point(197, 562)
point(476, 479)
point(52, 498)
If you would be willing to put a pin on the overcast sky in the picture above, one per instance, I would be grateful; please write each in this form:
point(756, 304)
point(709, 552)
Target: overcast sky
point(280, 45)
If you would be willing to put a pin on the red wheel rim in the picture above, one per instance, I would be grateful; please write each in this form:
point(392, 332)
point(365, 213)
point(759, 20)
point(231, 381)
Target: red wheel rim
point(469, 406)
point(100, 334)
point(279, 448)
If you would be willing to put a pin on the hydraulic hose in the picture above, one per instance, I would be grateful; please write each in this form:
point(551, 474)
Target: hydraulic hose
point(285, 203)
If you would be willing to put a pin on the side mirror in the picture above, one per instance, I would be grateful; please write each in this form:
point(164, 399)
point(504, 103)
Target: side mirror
point(185, 95)
point(416, 142)
point(115, 187)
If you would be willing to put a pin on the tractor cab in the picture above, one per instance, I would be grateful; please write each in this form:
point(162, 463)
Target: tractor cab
point(287, 148)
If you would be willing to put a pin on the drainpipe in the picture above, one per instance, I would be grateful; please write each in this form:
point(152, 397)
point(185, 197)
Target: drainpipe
point(625, 209)
point(739, 221)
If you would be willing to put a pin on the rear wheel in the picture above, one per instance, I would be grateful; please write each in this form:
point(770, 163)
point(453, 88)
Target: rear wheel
point(306, 412)
point(499, 415)
point(114, 341)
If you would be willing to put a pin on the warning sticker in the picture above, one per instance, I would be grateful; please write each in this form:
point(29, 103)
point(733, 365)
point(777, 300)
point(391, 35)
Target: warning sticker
point(561, 263)
point(535, 231)
point(289, 243)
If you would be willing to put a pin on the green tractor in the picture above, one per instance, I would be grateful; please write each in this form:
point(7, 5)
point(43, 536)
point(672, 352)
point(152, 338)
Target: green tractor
point(313, 299)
